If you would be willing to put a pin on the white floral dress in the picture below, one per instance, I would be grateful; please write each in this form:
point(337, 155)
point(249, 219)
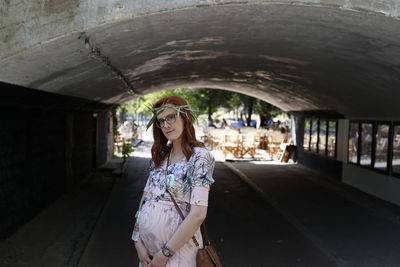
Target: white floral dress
point(157, 219)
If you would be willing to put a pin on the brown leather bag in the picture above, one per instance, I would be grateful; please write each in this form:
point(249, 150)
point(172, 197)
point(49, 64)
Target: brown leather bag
point(206, 256)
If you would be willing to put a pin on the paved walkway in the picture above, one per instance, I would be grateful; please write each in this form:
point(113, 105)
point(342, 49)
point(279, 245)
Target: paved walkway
point(349, 227)
point(260, 214)
point(58, 235)
point(264, 214)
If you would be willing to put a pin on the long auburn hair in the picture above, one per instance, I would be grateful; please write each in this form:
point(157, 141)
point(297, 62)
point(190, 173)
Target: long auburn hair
point(160, 149)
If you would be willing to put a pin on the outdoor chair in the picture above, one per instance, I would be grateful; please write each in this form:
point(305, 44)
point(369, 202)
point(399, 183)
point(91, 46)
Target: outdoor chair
point(216, 136)
point(248, 130)
point(273, 148)
point(239, 145)
point(263, 142)
point(230, 144)
point(248, 145)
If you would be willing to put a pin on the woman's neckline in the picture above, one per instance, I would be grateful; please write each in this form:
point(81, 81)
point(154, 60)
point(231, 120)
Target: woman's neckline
point(183, 159)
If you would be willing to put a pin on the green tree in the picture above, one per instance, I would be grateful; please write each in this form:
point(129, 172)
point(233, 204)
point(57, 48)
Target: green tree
point(209, 100)
point(122, 110)
point(206, 101)
point(266, 111)
point(150, 99)
point(248, 103)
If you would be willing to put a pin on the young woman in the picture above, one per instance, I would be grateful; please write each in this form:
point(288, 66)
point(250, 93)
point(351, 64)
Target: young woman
point(181, 165)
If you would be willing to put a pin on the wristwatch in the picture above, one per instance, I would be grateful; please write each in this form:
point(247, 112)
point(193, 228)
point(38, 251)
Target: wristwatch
point(167, 252)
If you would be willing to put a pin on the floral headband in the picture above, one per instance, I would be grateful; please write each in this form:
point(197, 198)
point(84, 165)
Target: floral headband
point(185, 109)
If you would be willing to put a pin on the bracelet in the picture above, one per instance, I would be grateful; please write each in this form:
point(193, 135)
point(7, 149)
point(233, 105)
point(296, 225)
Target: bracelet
point(167, 252)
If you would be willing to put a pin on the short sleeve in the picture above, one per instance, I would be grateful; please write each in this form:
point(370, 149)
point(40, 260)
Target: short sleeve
point(201, 176)
point(151, 165)
point(150, 168)
point(146, 187)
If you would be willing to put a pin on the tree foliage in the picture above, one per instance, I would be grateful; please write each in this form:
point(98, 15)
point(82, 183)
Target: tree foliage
point(207, 101)
point(150, 99)
point(266, 111)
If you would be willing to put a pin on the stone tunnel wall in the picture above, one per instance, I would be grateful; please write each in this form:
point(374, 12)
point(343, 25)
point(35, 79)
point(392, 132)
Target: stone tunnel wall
point(23, 29)
point(47, 145)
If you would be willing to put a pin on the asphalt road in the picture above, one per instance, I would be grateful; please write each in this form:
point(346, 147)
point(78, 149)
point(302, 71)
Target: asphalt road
point(265, 215)
point(260, 214)
point(340, 225)
point(248, 231)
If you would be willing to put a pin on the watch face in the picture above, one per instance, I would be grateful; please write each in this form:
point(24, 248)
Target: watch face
point(166, 252)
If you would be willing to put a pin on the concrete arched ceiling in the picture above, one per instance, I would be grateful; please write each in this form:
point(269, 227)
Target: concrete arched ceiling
point(296, 56)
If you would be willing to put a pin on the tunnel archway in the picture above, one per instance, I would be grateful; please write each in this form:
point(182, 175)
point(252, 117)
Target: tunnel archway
point(324, 59)
point(296, 56)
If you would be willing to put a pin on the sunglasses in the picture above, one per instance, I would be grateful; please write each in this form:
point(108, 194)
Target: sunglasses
point(170, 119)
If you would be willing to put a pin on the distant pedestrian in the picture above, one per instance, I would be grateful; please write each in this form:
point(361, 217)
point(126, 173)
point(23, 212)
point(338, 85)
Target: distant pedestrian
point(134, 130)
point(211, 123)
point(182, 168)
point(224, 124)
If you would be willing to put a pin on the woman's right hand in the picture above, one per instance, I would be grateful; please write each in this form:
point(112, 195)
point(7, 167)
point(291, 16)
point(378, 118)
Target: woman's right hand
point(143, 254)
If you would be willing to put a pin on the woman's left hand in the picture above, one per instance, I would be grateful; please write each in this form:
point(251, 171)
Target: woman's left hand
point(159, 260)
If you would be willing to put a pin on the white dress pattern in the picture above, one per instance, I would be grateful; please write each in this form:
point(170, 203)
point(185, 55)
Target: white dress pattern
point(157, 219)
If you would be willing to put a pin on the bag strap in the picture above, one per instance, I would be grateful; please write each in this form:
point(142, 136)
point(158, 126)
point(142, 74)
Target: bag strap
point(203, 227)
point(204, 234)
point(176, 204)
point(182, 216)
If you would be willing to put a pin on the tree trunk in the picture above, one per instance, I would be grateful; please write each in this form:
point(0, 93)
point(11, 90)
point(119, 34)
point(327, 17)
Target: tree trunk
point(249, 110)
point(209, 106)
point(264, 117)
point(209, 112)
